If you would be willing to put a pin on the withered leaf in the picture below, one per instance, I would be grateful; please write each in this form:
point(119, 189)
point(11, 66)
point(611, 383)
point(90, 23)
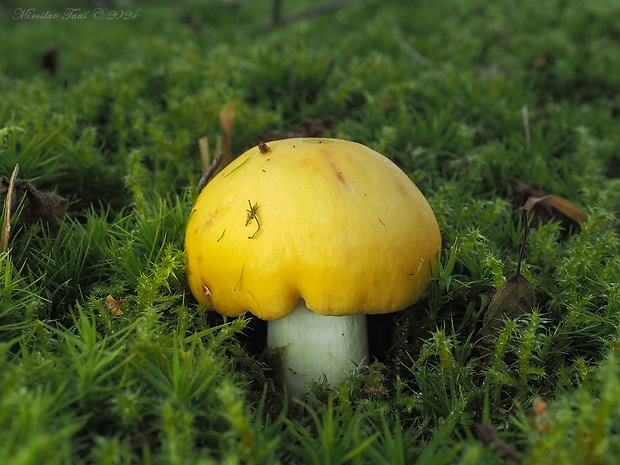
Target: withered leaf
point(114, 305)
point(559, 203)
point(541, 205)
point(516, 296)
point(35, 204)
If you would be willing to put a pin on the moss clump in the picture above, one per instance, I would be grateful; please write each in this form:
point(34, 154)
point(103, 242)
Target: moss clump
point(473, 100)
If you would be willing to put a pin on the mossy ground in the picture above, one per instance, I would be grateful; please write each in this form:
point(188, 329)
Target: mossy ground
point(469, 98)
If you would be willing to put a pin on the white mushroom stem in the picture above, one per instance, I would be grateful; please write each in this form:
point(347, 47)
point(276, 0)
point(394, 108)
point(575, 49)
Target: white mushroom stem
point(317, 347)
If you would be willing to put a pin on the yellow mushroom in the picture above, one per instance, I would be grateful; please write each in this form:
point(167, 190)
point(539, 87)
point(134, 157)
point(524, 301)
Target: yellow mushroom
point(312, 234)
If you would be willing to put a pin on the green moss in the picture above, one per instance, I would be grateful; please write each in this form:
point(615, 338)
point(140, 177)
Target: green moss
point(469, 99)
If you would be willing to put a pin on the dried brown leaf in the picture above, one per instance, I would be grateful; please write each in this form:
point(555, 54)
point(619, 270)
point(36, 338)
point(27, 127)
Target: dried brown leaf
point(114, 305)
point(516, 297)
point(34, 204)
point(559, 203)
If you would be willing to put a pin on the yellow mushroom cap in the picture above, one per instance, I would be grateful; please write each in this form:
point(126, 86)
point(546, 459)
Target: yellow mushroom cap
point(326, 220)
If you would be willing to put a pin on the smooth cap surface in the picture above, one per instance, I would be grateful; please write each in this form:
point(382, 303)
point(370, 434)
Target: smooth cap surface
point(326, 220)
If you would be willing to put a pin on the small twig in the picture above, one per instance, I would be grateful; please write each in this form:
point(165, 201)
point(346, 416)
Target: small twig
point(524, 219)
point(205, 156)
point(6, 229)
point(215, 164)
point(227, 117)
point(526, 127)
point(222, 157)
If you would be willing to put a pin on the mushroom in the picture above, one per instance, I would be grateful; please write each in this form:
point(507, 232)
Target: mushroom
point(312, 235)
